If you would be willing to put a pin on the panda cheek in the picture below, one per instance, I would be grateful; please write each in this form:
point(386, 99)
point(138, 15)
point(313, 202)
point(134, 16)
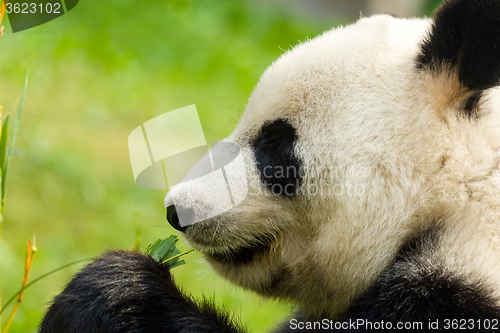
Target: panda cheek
point(278, 166)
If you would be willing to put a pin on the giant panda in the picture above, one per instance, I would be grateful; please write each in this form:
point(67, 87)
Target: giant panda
point(392, 217)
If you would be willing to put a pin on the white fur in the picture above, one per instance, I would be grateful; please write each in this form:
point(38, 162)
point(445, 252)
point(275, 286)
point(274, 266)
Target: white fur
point(385, 144)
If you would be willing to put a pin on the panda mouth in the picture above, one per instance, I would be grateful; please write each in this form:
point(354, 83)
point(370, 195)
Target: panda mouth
point(243, 255)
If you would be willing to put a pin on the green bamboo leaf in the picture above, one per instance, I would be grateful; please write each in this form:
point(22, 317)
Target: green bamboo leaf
point(162, 249)
point(165, 252)
point(176, 264)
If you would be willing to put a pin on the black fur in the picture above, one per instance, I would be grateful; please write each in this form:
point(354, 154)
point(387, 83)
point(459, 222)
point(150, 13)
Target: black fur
point(466, 35)
point(131, 293)
point(472, 104)
point(279, 167)
point(414, 290)
point(125, 292)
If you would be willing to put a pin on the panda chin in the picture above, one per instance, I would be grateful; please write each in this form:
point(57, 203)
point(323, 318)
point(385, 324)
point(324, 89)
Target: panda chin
point(242, 255)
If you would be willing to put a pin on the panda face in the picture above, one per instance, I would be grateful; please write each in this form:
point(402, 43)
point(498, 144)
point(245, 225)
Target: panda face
point(347, 146)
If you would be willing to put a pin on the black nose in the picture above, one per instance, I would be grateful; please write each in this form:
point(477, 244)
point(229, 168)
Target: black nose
point(173, 217)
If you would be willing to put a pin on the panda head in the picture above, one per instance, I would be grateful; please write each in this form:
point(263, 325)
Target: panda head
point(353, 143)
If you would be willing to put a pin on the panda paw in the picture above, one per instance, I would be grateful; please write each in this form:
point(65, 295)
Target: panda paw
point(129, 292)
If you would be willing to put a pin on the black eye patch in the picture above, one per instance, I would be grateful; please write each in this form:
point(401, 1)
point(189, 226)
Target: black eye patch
point(279, 167)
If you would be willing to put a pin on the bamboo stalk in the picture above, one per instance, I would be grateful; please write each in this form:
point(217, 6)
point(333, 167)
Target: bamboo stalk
point(177, 256)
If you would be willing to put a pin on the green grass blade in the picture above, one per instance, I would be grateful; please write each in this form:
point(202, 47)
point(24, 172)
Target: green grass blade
point(14, 136)
point(38, 279)
point(3, 153)
point(3, 142)
point(1, 211)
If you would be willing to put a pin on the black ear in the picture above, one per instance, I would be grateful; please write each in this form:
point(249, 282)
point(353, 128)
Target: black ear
point(465, 37)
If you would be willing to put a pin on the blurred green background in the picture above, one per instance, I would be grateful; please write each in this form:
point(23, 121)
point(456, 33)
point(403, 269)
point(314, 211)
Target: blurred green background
point(99, 72)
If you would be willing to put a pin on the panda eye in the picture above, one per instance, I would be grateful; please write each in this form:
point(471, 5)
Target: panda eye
point(276, 133)
point(277, 163)
point(274, 139)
